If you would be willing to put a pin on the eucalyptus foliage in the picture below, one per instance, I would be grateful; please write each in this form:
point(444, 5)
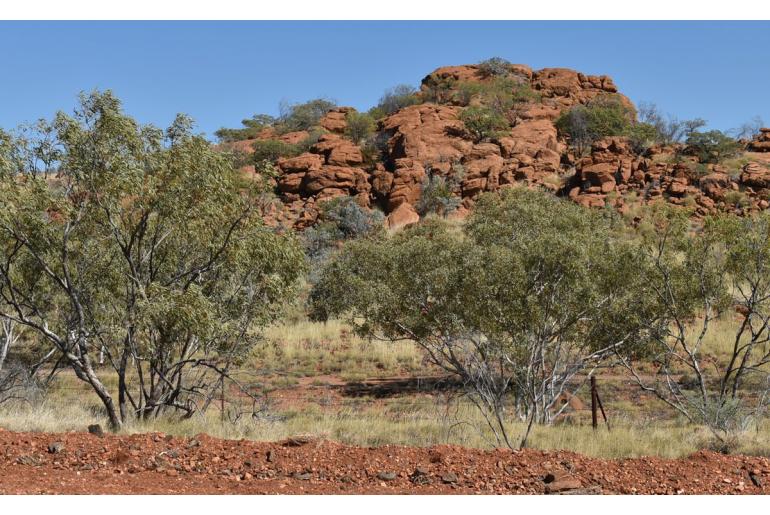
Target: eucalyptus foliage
point(534, 291)
point(146, 247)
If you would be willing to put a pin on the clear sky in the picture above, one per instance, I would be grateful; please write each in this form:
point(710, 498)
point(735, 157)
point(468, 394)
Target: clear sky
point(222, 72)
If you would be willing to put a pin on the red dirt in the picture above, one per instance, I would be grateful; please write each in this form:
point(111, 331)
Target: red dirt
point(159, 464)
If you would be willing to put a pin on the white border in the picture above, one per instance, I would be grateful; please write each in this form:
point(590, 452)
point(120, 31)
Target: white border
point(385, 505)
point(386, 10)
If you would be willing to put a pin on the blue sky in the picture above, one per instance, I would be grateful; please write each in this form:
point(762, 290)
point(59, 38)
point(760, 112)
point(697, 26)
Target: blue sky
point(222, 72)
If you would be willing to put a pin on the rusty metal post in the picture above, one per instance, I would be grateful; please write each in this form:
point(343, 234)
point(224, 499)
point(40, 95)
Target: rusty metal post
point(601, 407)
point(594, 402)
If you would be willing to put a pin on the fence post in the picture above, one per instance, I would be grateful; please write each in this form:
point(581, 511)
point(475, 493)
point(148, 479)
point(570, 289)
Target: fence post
point(594, 402)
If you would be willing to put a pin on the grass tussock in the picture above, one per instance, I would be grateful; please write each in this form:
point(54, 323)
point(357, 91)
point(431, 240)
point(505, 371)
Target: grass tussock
point(424, 425)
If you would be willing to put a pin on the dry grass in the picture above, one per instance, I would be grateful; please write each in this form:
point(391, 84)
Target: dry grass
point(315, 348)
point(422, 427)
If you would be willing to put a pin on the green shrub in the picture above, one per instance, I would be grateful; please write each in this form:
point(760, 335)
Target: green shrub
point(712, 146)
point(302, 117)
point(341, 219)
point(394, 99)
point(360, 126)
point(269, 150)
point(251, 127)
point(642, 136)
point(736, 199)
point(440, 89)
point(436, 196)
point(604, 116)
point(483, 122)
point(495, 66)
point(669, 130)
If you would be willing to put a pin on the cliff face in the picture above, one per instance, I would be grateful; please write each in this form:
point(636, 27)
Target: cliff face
point(430, 139)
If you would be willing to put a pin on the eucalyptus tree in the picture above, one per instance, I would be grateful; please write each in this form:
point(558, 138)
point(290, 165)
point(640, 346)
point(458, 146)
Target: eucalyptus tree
point(146, 246)
point(530, 297)
point(718, 271)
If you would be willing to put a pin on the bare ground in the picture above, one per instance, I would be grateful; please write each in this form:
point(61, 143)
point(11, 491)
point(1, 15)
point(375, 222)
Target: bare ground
point(153, 463)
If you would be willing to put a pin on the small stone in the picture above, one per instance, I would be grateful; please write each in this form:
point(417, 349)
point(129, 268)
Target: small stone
point(28, 460)
point(387, 476)
point(449, 478)
point(756, 479)
point(193, 443)
point(562, 485)
point(55, 447)
point(96, 430)
point(420, 476)
point(304, 476)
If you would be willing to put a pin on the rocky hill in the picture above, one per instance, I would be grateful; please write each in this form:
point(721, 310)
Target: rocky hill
point(429, 139)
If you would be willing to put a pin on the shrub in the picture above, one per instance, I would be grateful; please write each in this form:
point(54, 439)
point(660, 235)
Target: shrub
point(495, 66)
point(603, 116)
point(669, 130)
point(394, 99)
point(440, 89)
point(436, 196)
point(302, 117)
point(642, 136)
point(712, 146)
point(341, 218)
point(531, 278)
point(736, 199)
point(251, 127)
point(360, 126)
point(270, 150)
point(483, 122)
point(352, 220)
point(749, 129)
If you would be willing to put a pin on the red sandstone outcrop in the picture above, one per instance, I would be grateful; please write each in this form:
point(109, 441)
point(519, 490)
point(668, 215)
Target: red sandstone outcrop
point(761, 142)
point(430, 139)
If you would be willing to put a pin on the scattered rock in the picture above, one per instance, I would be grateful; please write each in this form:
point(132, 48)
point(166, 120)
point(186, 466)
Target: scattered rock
point(562, 484)
point(55, 447)
point(29, 460)
point(299, 440)
point(387, 476)
point(420, 476)
point(449, 478)
point(96, 429)
point(756, 479)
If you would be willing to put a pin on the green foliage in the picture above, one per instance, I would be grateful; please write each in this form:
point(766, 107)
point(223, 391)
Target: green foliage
point(603, 116)
point(360, 126)
point(148, 246)
point(669, 130)
point(737, 199)
point(502, 94)
point(440, 89)
point(395, 99)
point(494, 67)
point(531, 277)
point(712, 146)
point(305, 116)
point(271, 149)
point(437, 196)
point(483, 122)
point(642, 136)
point(251, 127)
point(698, 278)
point(341, 219)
